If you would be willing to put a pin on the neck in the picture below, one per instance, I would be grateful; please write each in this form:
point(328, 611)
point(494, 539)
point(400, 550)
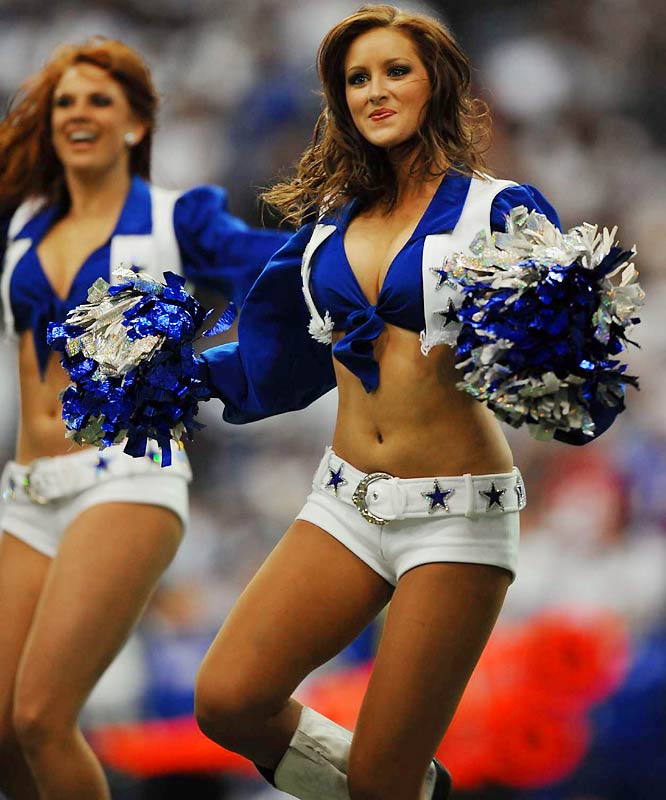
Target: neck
point(97, 195)
point(411, 183)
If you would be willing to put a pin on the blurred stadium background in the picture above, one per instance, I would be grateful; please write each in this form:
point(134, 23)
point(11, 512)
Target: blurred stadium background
point(570, 700)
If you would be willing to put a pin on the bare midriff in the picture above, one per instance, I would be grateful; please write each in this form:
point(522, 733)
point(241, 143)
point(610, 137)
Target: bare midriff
point(41, 430)
point(417, 423)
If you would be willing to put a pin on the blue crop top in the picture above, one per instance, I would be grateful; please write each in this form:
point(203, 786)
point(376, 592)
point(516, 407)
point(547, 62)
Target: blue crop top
point(277, 366)
point(335, 288)
point(216, 249)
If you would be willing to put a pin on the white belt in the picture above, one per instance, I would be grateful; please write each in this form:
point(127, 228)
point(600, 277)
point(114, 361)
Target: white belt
point(381, 498)
point(58, 477)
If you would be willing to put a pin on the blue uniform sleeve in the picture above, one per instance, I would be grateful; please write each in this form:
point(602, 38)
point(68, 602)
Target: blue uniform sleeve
point(219, 251)
point(532, 199)
point(275, 366)
point(521, 195)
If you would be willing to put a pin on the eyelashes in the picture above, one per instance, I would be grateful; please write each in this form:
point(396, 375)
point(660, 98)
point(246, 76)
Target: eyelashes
point(97, 100)
point(359, 78)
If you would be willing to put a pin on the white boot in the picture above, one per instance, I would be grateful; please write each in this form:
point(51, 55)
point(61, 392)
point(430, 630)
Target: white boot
point(315, 764)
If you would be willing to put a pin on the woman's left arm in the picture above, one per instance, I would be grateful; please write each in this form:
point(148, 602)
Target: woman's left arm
point(218, 250)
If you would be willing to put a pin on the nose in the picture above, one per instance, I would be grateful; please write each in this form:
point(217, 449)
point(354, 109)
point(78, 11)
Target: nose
point(377, 89)
point(76, 110)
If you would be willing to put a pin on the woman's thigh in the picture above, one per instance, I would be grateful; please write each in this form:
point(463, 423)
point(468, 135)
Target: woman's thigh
point(107, 566)
point(23, 571)
point(310, 598)
point(437, 626)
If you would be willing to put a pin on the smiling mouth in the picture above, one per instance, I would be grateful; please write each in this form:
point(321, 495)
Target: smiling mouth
point(79, 137)
point(378, 116)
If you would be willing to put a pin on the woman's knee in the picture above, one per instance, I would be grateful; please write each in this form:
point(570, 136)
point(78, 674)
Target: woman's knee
point(229, 709)
point(40, 712)
point(32, 724)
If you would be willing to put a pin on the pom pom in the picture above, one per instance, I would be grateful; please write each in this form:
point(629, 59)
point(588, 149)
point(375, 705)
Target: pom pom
point(129, 353)
point(544, 316)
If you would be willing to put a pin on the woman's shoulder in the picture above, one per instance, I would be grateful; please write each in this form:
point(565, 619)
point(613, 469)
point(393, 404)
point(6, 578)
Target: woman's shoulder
point(522, 194)
point(15, 223)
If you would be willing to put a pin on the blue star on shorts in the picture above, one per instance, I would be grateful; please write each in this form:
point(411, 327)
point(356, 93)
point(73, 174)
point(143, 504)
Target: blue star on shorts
point(101, 466)
point(438, 497)
point(494, 497)
point(336, 480)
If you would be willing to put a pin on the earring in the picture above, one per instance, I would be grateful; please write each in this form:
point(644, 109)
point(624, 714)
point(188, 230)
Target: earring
point(129, 138)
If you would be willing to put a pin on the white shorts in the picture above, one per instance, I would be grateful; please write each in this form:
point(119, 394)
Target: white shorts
point(40, 500)
point(395, 524)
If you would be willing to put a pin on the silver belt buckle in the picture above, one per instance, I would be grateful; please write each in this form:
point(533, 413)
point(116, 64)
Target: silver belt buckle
point(30, 490)
point(360, 493)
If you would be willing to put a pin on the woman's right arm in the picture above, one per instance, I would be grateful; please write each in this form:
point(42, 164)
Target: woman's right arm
point(275, 366)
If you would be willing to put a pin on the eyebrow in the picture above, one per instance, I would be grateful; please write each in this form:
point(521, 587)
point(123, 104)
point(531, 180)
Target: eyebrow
point(386, 63)
point(65, 92)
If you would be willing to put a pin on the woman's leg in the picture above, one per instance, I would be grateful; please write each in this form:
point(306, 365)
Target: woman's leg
point(310, 598)
point(107, 566)
point(23, 571)
point(438, 623)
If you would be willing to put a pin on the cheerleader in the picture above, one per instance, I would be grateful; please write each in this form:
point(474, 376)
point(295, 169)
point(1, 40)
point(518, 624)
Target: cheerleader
point(417, 501)
point(86, 535)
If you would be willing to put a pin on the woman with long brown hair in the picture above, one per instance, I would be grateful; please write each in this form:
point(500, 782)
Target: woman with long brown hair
point(85, 535)
point(418, 500)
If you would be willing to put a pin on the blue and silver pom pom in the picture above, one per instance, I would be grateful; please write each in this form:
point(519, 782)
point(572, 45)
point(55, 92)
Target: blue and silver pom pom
point(129, 352)
point(544, 317)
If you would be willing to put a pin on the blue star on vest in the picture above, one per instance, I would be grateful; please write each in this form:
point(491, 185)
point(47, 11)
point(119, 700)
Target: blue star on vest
point(450, 314)
point(437, 498)
point(441, 276)
point(494, 497)
point(336, 480)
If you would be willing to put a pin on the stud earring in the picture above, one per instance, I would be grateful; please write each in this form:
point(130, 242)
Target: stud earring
point(129, 138)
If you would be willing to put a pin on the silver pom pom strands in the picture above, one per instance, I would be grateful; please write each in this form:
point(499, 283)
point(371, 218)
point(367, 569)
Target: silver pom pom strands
point(544, 315)
point(129, 353)
point(103, 319)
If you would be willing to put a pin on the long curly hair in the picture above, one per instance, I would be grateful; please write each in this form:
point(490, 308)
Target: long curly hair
point(29, 165)
point(341, 164)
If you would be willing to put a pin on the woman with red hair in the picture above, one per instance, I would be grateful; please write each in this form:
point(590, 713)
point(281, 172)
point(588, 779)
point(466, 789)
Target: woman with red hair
point(417, 501)
point(85, 536)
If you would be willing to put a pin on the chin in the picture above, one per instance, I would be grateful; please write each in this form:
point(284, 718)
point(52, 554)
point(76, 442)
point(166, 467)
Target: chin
point(81, 167)
point(389, 140)
point(88, 170)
